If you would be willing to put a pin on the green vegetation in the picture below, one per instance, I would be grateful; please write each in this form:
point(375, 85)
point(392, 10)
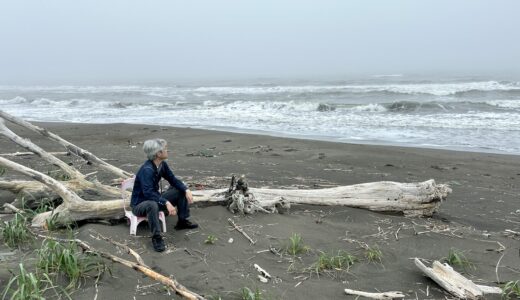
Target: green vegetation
point(296, 245)
point(66, 260)
point(456, 258)
point(248, 294)
point(341, 261)
point(59, 175)
point(373, 254)
point(27, 286)
point(15, 232)
point(511, 288)
point(211, 239)
point(2, 171)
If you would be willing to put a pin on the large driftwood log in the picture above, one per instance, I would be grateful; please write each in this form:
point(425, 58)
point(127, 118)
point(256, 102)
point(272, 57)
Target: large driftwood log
point(454, 282)
point(412, 199)
point(73, 208)
point(77, 179)
point(69, 146)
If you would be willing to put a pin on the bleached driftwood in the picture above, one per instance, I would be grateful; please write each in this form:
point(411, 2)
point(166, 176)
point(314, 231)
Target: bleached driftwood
point(454, 282)
point(73, 208)
point(77, 181)
point(385, 295)
point(15, 154)
point(75, 150)
point(235, 226)
point(262, 271)
point(412, 199)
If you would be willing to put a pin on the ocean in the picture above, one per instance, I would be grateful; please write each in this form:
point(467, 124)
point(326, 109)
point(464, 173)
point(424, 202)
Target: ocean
point(460, 114)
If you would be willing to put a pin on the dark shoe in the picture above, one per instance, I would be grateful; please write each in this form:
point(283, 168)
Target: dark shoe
point(185, 224)
point(158, 243)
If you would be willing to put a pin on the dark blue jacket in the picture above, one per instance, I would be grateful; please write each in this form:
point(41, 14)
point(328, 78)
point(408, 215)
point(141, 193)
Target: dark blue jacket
point(146, 186)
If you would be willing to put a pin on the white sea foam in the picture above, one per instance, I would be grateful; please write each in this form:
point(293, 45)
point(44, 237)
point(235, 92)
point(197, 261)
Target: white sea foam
point(372, 107)
point(514, 104)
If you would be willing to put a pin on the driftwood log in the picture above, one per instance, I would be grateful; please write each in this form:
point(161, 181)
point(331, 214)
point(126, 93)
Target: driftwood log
point(413, 199)
point(454, 282)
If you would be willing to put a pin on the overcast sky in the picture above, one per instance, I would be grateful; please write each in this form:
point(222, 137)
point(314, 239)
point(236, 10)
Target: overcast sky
point(95, 41)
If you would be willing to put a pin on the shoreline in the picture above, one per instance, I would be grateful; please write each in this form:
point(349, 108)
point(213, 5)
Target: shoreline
point(305, 138)
point(483, 204)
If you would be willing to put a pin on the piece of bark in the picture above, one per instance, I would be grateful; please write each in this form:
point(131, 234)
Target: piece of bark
point(69, 146)
point(454, 282)
point(385, 295)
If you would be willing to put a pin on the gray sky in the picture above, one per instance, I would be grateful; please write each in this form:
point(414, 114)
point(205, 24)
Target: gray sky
point(95, 41)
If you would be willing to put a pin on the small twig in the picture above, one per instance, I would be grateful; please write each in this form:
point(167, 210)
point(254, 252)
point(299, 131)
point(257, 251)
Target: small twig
point(496, 268)
point(125, 247)
point(396, 233)
point(385, 295)
point(241, 231)
point(12, 207)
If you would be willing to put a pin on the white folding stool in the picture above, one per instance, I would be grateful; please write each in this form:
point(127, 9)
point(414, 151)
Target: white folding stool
point(133, 219)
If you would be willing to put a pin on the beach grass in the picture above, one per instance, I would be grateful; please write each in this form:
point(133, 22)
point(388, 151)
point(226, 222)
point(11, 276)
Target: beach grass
point(27, 285)
point(210, 239)
point(511, 289)
point(248, 294)
point(373, 254)
point(296, 245)
point(64, 259)
point(340, 261)
point(15, 233)
point(456, 258)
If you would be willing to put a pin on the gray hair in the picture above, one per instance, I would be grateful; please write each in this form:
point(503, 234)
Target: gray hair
point(151, 147)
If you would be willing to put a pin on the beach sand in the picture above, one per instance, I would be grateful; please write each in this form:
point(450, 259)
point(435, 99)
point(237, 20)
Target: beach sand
point(484, 203)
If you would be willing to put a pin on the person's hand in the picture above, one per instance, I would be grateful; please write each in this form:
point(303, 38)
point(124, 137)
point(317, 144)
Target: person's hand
point(189, 196)
point(172, 211)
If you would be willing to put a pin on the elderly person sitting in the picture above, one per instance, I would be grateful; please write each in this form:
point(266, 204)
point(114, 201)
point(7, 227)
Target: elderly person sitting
point(146, 199)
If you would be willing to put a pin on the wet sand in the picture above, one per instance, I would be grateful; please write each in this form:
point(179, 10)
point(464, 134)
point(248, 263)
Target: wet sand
point(484, 203)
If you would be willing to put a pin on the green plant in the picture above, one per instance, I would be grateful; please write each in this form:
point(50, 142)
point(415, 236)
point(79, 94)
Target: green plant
point(27, 286)
point(65, 259)
point(51, 223)
point(211, 239)
point(59, 175)
point(2, 171)
point(296, 245)
point(511, 288)
point(248, 294)
point(16, 232)
point(373, 254)
point(456, 258)
point(341, 261)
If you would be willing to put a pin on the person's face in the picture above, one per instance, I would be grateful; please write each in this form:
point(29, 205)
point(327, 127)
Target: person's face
point(163, 154)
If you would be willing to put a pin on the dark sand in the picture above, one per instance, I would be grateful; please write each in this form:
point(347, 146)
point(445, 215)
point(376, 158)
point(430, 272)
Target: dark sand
point(485, 202)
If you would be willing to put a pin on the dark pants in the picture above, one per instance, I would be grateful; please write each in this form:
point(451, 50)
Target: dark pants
point(151, 209)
